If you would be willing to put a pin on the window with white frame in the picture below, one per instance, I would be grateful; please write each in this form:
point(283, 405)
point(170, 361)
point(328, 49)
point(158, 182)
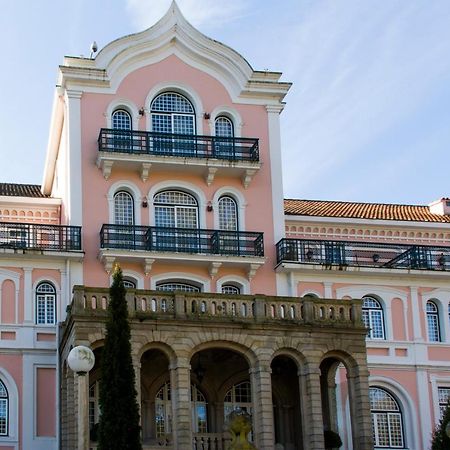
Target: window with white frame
point(387, 419)
point(434, 334)
point(45, 304)
point(163, 411)
point(94, 410)
point(199, 410)
point(172, 113)
point(238, 397)
point(444, 398)
point(4, 410)
point(223, 127)
point(175, 209)
point(372, 315)
point(228, 213)
point(229, 288)
point(123, 208)
point(177, 286)
point(129, 283)
point(121, 120)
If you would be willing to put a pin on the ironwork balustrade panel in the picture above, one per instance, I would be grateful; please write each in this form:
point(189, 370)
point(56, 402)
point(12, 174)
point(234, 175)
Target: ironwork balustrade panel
point(182, 240)
point(364, 254)
point(184, 145)
point(30, 236)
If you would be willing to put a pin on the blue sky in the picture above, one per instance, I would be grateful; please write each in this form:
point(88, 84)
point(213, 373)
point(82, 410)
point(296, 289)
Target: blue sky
point(368, 116)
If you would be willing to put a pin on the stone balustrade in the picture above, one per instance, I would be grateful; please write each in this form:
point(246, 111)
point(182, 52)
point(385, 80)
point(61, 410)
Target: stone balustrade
point(145, 304)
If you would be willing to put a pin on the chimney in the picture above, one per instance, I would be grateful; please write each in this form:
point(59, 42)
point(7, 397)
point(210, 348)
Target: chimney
point(441, 207)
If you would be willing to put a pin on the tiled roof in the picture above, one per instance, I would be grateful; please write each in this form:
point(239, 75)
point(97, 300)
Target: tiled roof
point(377, 211)
point(20, 190)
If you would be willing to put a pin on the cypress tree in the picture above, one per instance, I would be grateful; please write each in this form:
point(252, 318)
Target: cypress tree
point(440, 439)
point(119, 420)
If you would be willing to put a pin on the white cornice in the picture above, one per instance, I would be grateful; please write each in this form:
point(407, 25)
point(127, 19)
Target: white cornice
point(29, 201)
point(173, 34)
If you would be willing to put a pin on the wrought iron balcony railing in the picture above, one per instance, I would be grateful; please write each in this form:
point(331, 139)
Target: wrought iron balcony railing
point(363, 254)
point(184, 145)
point(30, 236)
point(182, 240)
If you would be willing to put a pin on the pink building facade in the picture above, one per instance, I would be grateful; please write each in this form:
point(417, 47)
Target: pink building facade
point(164, 156)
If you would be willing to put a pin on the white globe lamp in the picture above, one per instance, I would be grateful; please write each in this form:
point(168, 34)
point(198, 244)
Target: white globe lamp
point(81, 359)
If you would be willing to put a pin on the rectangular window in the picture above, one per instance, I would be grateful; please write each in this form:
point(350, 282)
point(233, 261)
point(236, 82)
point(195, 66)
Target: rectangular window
point(444, 397)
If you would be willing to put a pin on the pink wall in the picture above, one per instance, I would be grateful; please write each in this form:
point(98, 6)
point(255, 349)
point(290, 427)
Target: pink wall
point(8, 302)
point(45, 401)
point(399, 326)
point(136, 87)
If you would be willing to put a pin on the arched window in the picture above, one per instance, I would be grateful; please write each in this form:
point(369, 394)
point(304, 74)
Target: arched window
point(45, 304)
point(199, 411)
point(172, 113)
point(228, 213)
point(123, 208)
point(177, 286)
point(386, 419)
point(223, 127)
point(230, 289)
point(434, 334)
point(4, 410)
point(372, 315)
point(238, 397)
point(121, 120)
point(129, 283)
point(175, 209)
point(223, 145)
point(163, 411)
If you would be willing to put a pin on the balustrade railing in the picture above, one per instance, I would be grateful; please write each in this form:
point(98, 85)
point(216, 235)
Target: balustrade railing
point(182, 240)
point(143, 304)
point(31, 236)
point(363, 254)
point(183, 145)
point(211, 441)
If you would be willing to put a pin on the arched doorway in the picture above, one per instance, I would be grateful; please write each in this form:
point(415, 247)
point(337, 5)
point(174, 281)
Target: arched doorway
point(221, 375)
point(286, 403)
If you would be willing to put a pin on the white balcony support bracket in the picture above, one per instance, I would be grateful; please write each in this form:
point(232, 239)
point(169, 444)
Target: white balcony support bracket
point(108, 263)
point(252, 270)
point(214, 268)
point(145, 169)
point(105, 166)
point(248, 177)
point(147, 265)
point(210, 174)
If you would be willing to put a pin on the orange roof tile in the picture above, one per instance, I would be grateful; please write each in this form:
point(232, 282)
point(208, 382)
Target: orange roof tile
point(376, 211)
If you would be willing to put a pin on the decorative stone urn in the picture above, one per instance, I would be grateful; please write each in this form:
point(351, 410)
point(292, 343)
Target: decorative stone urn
point(239, 425)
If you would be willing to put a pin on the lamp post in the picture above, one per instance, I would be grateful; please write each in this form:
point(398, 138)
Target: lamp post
point(81, 360)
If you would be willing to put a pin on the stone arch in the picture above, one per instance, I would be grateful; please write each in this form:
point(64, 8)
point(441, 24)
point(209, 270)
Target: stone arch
point(168, 351)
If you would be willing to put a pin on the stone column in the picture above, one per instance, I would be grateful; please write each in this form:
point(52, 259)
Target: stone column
point(137, 385)
point(180, 381)
point(361, 421)
point(311, 408)
point(261, 382)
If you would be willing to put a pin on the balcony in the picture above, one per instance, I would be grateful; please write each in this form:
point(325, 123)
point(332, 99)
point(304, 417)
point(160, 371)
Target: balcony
point(151, 305)
point(206, 155)
point(214, 247)
point(345, 254)
point(28, 236)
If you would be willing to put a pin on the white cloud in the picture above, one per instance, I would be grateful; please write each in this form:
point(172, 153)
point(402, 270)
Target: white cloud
point(144, 13)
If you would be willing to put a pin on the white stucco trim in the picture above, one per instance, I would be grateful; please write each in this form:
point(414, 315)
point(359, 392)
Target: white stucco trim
point(131, 274)
point(408, 408)
point(437, 382)
point(124, 185)
point(384, 295)
point(204, 283)
point(238, 197)
point(125, 104)
point(183, 89)
point(243, 283)
point(231, 113)
point(184, 186)
point(441, 298)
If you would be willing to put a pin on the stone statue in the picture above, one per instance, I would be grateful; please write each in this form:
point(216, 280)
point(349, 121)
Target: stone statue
point(239, 425)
